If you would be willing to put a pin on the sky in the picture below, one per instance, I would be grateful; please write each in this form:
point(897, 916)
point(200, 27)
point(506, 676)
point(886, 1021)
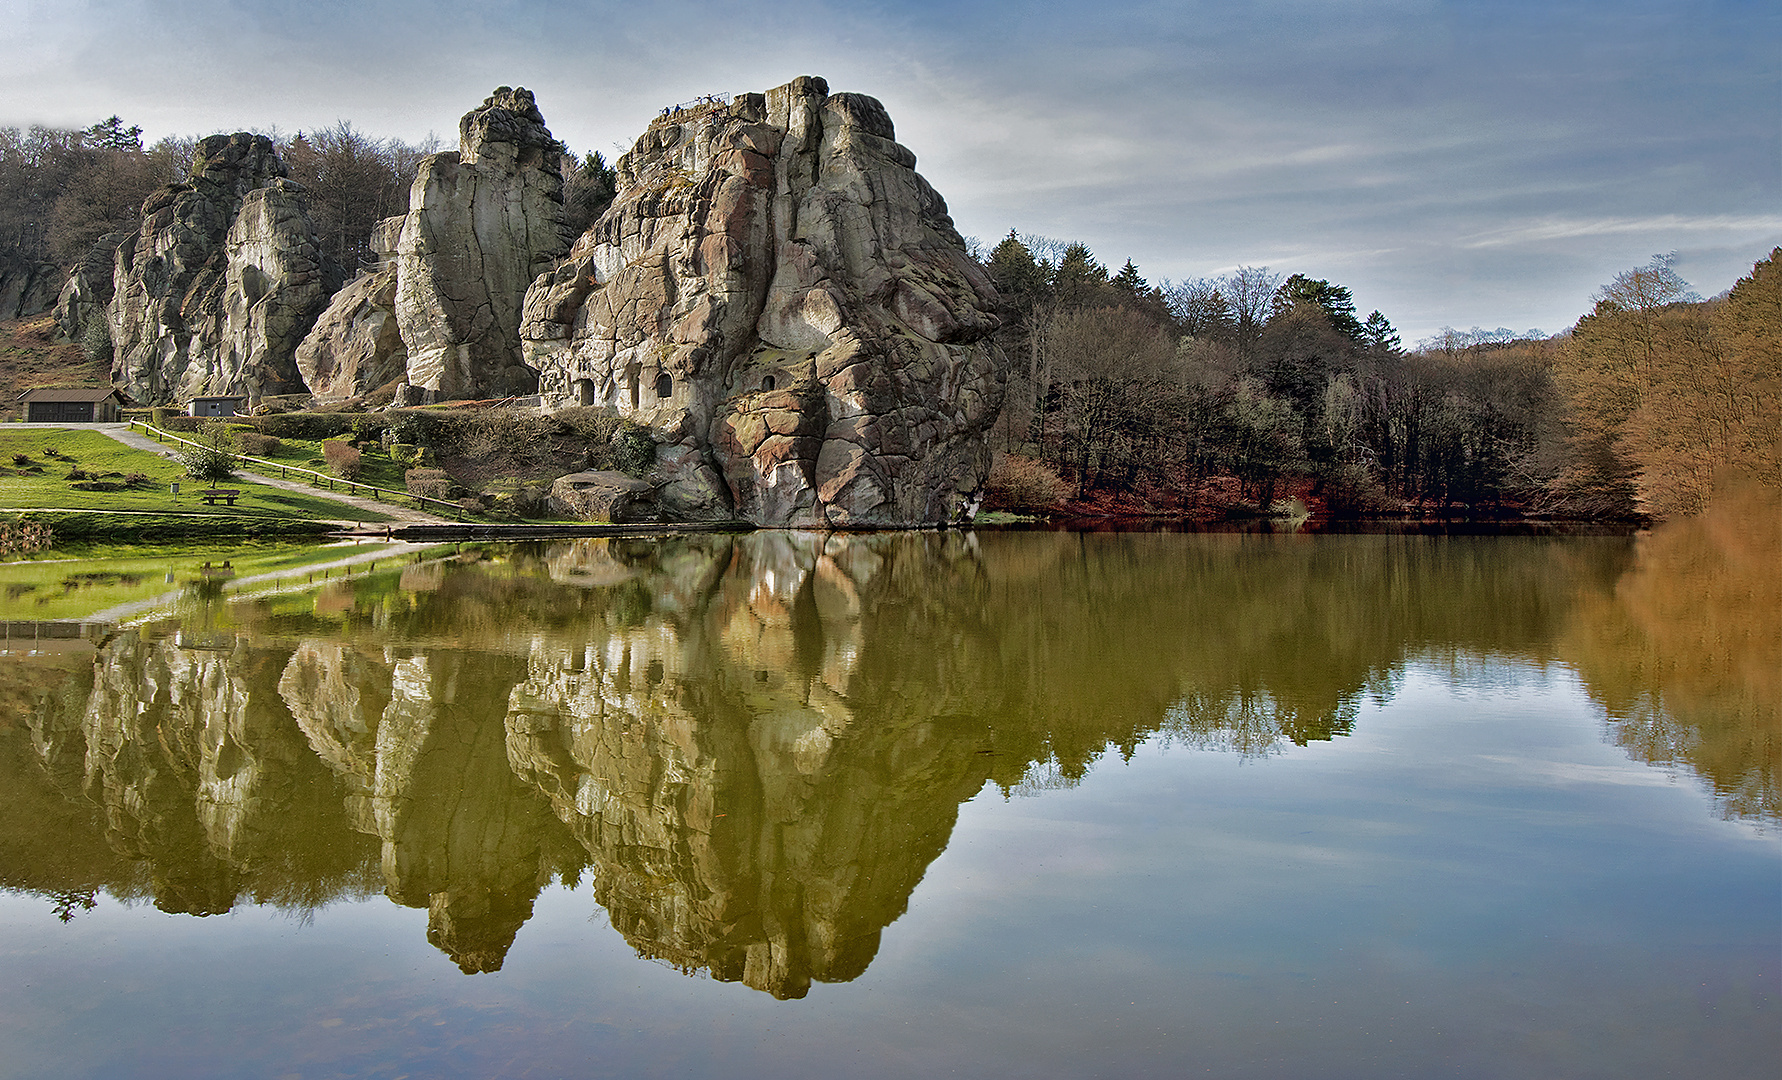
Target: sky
point(1453, 163)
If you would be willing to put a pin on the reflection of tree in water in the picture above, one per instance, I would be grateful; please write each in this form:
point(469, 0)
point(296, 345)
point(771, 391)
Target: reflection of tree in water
point(758, 743)
point(67, 902)
point(1684, 651)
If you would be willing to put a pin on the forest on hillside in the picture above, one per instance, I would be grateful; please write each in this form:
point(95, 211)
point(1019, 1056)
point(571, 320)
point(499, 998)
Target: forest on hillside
point(1173, 393)
point(1206, 397)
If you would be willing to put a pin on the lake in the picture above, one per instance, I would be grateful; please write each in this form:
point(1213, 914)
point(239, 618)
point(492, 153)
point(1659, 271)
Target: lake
point(998, 804)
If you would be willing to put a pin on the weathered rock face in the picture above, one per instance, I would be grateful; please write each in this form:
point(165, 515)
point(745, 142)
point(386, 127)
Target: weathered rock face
point(426, 771)
point(87, 293)
point(27, 288)
point(481, 224)
point(356, 346)
point(599, 495)
point(735, 733)
point(221, 282)
point(786, 302)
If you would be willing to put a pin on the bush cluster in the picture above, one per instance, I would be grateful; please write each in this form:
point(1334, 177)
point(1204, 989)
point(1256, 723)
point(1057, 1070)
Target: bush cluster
point(633, 451)
point(257, 444)
point(499, 433)
point(428, 483)
point(408, 454)
point(417, 427)
point(1022, 483)
point(342, 458)
point(208, 464)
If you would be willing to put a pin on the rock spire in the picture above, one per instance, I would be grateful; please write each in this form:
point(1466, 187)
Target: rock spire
point(786, 302)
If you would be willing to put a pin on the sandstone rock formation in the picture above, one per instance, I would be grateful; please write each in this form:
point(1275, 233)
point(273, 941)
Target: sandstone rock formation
point(221, 282)
point(86, 295)
point(482, 223)
point(426, 772)
point(356, 345)
point(27, 288)
point(786, 302)
point(190, 751)
point(603, 495)
point(733, 732)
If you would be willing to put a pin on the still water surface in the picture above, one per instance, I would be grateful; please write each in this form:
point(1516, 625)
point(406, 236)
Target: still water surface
point(1020, 805)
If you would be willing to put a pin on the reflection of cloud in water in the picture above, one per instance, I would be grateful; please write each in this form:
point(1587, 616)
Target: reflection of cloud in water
point(1530, 771)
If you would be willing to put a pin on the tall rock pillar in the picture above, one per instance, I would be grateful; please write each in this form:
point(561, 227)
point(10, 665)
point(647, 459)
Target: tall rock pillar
point(482, 223)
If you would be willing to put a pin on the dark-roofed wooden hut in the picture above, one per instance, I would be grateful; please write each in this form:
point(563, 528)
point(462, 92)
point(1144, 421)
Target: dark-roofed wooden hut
point(72, 405)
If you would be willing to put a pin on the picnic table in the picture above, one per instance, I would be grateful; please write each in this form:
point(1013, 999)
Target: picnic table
point(227, 494)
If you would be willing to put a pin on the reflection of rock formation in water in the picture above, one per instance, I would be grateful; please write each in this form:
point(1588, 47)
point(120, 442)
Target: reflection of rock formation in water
point(745, 815)
point(51, 845)
point(199, 769)
point(761, 742)
point(420, 747)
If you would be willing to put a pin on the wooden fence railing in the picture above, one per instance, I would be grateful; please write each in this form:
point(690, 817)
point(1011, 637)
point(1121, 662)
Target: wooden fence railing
point(316, 479)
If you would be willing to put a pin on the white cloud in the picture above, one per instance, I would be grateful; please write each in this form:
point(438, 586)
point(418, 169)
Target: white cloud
point(1454, 163)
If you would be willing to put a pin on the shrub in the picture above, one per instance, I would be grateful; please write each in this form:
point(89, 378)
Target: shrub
point(592, 425)
point(1022, 483)
point(52, 452)
point(208, 464)
point(342, 458)
point(408, 454)
point(257, 444)
point(428, 483)
point(158, 417)
point(503, 433)
point(633, 451)
point(21, 460)
point(137, 479)
point(1018, 482)
point(414, 427)
point(79, 474)
point(95, 341)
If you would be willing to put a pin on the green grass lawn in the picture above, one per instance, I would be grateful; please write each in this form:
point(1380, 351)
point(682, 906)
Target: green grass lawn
point(41, 481)
point(375, 466)
point(56, 586)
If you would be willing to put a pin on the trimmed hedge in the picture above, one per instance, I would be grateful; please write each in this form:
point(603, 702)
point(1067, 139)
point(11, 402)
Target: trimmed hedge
point(317, 426)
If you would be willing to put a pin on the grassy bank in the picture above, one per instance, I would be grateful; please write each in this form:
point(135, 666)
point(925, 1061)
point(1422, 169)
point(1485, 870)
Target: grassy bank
point(73, 470)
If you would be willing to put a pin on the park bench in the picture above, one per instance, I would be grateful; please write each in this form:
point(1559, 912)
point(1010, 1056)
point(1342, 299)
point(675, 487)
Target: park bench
point(227, 494)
